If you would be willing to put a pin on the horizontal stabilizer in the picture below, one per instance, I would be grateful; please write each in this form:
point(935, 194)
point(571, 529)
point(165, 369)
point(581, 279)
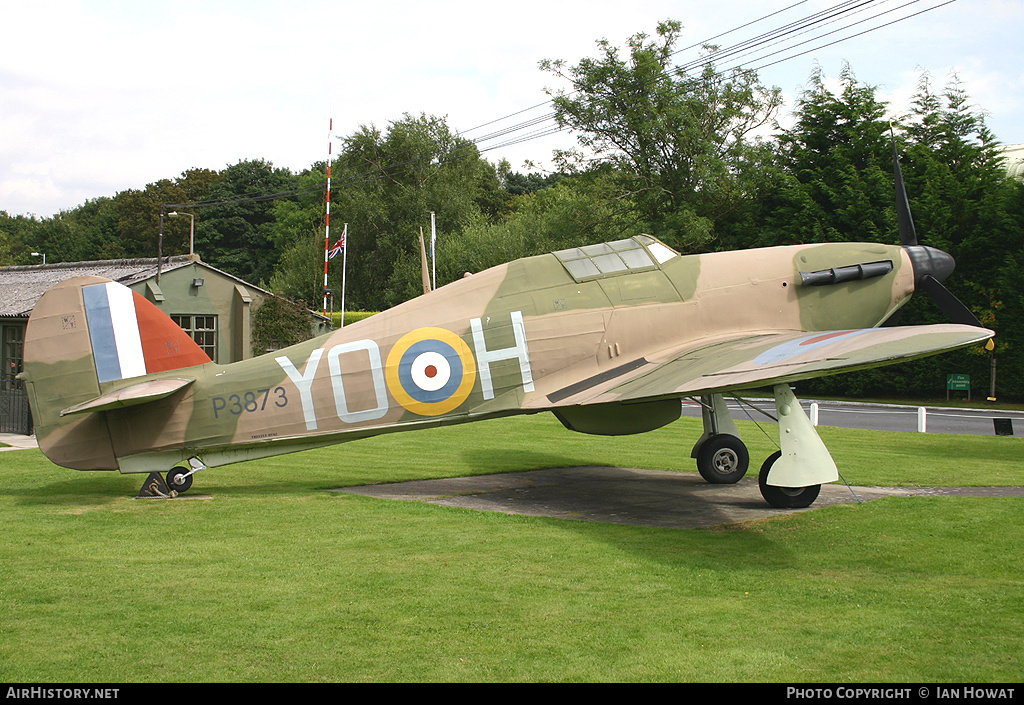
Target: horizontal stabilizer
point(141, 393)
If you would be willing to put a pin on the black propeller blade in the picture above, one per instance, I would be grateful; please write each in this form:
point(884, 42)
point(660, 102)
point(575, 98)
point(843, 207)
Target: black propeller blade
point(931, 265)
point(950, 305)
point(908, 234)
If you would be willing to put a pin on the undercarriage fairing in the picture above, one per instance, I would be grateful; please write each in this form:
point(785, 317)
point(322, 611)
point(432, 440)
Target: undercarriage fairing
point(619, 419)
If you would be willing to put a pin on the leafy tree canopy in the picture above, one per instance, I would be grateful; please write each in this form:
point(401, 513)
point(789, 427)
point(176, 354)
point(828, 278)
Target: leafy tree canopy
point(679, 143)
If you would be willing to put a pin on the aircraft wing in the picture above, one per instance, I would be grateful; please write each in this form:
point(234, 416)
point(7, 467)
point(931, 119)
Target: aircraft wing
point(760, 359)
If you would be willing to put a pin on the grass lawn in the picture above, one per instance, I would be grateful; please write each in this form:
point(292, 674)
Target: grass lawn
point(275, 579)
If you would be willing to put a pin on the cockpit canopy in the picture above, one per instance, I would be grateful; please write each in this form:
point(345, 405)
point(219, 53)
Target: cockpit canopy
point(637, 254)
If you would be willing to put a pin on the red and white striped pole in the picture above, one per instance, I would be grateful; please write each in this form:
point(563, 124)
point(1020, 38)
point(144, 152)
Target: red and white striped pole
point(327, 229)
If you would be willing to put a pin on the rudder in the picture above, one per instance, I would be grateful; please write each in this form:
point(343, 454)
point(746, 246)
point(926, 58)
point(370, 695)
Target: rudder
point(85, 336)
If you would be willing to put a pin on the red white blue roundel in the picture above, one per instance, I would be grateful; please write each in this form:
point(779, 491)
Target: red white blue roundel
point(430, 371)
point(799, 346)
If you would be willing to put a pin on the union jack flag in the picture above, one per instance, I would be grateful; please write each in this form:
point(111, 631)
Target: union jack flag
point(337, 248)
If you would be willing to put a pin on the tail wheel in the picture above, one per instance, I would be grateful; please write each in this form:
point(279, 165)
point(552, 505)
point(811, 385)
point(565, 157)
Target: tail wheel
point(723, 459)
point(784, 497)
point(179, 479)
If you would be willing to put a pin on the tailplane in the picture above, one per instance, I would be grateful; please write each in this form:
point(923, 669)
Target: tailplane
point(88, 340)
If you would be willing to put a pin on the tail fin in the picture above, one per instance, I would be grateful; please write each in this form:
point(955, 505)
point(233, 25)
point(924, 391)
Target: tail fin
point(85, 337)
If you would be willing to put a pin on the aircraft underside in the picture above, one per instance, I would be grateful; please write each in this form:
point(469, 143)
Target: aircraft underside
point(789, 478)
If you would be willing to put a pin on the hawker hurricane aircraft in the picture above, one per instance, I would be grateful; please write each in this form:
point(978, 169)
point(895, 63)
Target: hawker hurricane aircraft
point(608, 337)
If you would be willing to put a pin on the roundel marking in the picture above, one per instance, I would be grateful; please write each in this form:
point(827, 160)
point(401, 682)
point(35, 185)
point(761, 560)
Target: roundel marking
point(799, 346)
point(430, 371)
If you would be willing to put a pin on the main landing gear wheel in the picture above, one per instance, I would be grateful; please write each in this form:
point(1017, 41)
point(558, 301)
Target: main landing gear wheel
point(723, 459)
point(179, 480)
point(784, 497)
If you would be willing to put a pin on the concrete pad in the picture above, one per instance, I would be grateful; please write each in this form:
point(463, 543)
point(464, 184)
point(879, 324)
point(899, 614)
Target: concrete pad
point(615, 495)
point(16, 441)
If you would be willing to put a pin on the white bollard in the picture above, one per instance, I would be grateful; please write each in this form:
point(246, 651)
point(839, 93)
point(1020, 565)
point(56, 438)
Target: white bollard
point(814, 413)
point(922, 420)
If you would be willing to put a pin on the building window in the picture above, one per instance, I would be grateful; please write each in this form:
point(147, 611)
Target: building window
point(203, 330)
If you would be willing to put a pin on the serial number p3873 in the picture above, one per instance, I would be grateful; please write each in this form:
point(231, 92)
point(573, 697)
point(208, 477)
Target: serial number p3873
point(249, 402)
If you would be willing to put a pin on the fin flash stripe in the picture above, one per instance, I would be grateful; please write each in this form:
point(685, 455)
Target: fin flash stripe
point(131, 337)
point(114, 329)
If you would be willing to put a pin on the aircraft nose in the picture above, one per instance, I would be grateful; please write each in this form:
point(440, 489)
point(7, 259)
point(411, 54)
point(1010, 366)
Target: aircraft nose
point(929, 260)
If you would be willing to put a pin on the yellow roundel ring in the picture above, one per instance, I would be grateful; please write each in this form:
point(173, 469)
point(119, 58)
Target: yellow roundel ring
point(430, 371)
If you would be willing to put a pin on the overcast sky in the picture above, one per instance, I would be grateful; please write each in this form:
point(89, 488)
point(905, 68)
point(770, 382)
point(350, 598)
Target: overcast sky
point(101, 96)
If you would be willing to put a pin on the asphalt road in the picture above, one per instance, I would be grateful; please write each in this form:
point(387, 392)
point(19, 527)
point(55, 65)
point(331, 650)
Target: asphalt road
point(884, 417)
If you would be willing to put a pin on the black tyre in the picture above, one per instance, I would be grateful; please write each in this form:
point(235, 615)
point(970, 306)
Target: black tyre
point(784, 497)
point(179, 480)
point(723, 459)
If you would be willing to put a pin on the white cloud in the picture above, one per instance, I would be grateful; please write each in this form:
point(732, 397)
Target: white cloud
point(101, 96)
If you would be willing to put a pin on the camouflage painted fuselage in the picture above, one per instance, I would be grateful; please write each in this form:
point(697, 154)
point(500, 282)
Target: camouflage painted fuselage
point(608, 345)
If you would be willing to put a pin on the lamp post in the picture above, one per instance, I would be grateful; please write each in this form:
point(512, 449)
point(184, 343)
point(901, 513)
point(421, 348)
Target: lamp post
point(40, 254)
point(191, 230)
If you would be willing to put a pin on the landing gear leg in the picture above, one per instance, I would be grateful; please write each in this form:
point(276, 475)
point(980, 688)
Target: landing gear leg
point(180, 479)
point(792, 478)
point(722, 457)
point(784, 497)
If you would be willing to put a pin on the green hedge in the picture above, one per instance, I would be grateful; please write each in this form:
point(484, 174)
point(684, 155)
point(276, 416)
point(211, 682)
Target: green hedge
point(350, 317)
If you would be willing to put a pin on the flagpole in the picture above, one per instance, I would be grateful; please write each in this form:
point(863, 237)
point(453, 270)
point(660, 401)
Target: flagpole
point(327, 229)
point(433, 243)
point(344, 269)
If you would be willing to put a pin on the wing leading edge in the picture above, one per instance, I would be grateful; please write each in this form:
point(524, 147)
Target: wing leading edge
point(761, 359)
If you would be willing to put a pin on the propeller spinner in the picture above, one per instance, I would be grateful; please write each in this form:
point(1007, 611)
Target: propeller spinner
point(931, 265)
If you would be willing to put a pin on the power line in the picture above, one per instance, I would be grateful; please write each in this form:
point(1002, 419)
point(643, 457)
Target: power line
point(751, 50)
point(743, 53)
point(843, 39)
point(833, 14)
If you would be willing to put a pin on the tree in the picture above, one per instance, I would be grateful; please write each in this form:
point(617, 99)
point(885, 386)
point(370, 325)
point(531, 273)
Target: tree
point(278, 323)
point(17, 235)
point(837, 185)
point(576, 211)
point(956, 180)
point(518, 184)
point(235, 228)
point(681, 145)
point(303, 212)
point(963, 199)
point(138, 219)
point(839, 162)
point(387, 184)
point(300, 272)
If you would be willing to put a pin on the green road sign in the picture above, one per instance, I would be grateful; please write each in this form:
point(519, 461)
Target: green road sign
point(958, 383)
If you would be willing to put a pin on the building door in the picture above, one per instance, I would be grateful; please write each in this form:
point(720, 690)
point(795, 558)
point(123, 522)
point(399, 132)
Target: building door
point(15, 416)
